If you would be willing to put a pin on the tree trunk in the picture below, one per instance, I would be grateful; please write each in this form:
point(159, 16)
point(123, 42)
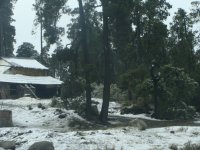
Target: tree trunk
point(86, 59)
point(1, 40)
point(107, 51)
point(41, 42)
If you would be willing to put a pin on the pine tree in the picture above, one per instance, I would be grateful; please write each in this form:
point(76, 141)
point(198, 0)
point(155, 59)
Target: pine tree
point(7, 31)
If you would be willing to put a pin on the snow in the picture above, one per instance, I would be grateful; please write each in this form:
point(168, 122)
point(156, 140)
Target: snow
point(38, 125)
point(25, 63)
point(22, 79)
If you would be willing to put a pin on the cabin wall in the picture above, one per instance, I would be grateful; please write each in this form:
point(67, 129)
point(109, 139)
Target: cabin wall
point(10, 91)
point(27, 72)
point(14, 91)
point(4, 66)
point(4, 90)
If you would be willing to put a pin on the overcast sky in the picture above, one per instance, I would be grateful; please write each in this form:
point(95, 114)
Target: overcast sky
point(24, 16)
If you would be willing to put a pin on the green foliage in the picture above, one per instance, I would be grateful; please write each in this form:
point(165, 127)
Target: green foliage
point(182, 41)
point(72, 88)
point(180, 111)
point(131, 78)
point(175, 92)
point(27, 50)
point(177, 84)
point(43, 8)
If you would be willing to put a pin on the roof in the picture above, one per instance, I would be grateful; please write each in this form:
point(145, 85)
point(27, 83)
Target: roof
point(22, 79)
point(25, 63)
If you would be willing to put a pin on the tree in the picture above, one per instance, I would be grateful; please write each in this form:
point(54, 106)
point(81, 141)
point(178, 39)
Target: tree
point(175, 90)
point(195, 12)
point(155, 31)
point(84, 45)
point(83, 32)
point(107, 63)
point(48, 23)
point(182, 41)
point(27, 50)
point(7, 31)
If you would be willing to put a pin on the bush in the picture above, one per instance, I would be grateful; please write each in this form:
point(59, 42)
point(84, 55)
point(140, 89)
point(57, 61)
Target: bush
point(41, 106)
point(77, 104)
point(30, 107)
point(190, 146)
point(55, 102)
point(116, 94)
point(180, 111)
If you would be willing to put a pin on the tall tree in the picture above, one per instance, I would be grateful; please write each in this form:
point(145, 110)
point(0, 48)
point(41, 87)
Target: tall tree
point(84, 32)
point(84, 45)
point(107, 63)
point(48, 23)
point(120, 20)
point(182, 41)
point(7, 31)
point(155, 31)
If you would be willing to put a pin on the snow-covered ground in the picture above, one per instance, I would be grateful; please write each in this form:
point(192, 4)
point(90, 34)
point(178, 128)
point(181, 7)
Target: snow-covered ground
point(38, 125)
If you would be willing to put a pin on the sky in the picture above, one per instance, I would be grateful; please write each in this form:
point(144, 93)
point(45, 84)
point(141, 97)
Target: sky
point(24, 16)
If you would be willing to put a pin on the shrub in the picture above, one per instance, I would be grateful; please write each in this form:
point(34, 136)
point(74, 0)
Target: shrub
point(55, 102)
point(30, 107)
point(190, 146)
point(77, 104)
point(40, 106)
point(180, 111)
point(116, 94)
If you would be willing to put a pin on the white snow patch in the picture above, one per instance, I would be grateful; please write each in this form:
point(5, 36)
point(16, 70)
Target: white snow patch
point(38, 125)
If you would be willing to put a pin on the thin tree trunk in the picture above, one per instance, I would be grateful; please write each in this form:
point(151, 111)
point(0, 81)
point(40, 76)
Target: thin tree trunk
point(86, 59)
point(1, 40)
point(107, 51)
point(41, 42)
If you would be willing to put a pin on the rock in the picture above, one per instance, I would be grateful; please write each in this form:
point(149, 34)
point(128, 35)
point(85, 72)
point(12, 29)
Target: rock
point(172, 132)
point(61, 116)
point(6, 118)
point(140, 124)
point(7, 145)
point(173, 147)
point(43, 145)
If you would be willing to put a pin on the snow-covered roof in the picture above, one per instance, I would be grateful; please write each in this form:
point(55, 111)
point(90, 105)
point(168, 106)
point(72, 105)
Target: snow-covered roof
point(25, 63)
point(22, 79)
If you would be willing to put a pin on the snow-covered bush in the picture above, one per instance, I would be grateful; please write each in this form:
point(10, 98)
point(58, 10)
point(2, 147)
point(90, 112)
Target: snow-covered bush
point(190, 146)
point(116, 94)
point(180, 111)
point(41, 106)
point(56, 102)
point(77, 104)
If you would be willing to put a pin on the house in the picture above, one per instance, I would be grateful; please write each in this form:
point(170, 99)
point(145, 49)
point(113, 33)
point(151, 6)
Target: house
point(20, 76)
